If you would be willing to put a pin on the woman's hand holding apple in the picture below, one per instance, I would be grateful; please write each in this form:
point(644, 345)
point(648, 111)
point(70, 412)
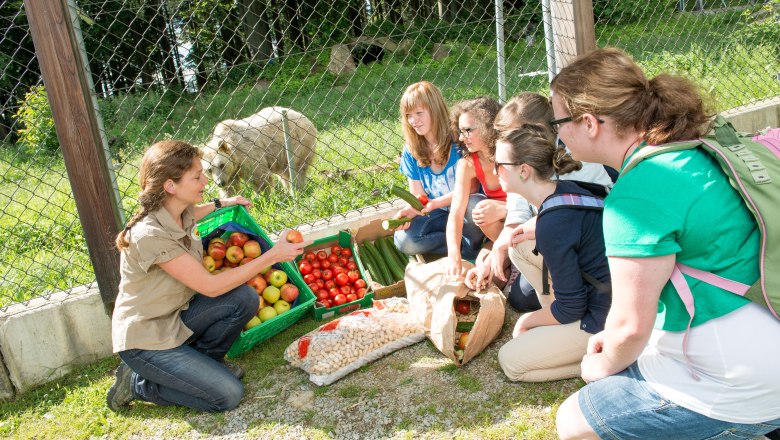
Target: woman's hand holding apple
point(283, 250)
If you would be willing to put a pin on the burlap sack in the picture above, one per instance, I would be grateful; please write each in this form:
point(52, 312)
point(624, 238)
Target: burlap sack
point(432, 294)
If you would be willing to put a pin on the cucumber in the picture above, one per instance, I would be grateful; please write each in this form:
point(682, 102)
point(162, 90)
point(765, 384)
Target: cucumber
point(393, 252)
point(389, 259)
point(464, 326)
point(366, 257)
point(407, 197)
point(380, 263)
point(393, 223)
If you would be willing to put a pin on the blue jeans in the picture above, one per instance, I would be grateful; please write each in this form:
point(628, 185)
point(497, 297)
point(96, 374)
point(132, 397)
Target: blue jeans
point(624, 406)
point(192, 374)
point(428, 234)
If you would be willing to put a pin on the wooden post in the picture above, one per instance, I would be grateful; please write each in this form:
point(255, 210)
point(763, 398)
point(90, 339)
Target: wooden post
point(573, 29)
point(67, 87)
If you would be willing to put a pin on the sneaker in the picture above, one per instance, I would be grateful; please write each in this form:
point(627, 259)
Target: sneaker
point(234, 368)
point(121, 392)
point(511, 280)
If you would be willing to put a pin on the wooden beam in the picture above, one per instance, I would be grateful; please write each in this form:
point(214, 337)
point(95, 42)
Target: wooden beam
point(573, 29)
point(74, 115)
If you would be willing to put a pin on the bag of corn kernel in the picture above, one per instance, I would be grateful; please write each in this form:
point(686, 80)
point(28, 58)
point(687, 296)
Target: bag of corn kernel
point(345, 344)
point(460, 322)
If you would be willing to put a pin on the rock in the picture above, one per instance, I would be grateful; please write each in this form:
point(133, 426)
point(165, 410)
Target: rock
point(441, 51)
point(341, 60)
point(404, 47)
point(302, 400)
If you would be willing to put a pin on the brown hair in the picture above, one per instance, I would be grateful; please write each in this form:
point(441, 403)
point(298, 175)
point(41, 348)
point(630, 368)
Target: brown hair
point(428, 96)
point(524, 108)
point(484, 110)
point(162, 161)
point(607, 82)
point(534, 144)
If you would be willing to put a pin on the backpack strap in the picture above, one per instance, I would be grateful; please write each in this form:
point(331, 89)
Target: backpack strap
point(654, 150)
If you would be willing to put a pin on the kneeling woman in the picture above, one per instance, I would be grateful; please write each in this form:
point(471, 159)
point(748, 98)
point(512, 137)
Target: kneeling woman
point(549, 343)
point(172, 342)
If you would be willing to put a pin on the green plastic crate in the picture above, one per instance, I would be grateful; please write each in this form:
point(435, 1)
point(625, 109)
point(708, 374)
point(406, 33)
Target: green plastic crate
point(345, 240)
point(254, 336)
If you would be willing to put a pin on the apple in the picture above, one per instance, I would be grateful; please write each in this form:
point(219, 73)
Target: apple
point(245, 260)
point(276, 277)
point(271, 294)
point(463, 307)
point(208, 263)
point(229, 264)
point(217, 250)
point(463, 340)
point(218, 263)
point(265, 270)
point(234, 254)
point(294, 236)
point(281, 306)
point(289, 292)
point(237, 239)
point(218, 240)
point(254, 322)
point(262, 304)
point(252, 249)
point(258, 283)
point(267, 313)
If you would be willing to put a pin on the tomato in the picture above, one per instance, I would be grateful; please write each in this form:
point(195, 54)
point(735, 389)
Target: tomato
point(309, 256)
point(330, 284)
point(317, 274)
point(335, 250)
point(322, 255)
point(360, 283)
point(346, 252)
point(351, 265)
point(338, 269)
point(327, 274)
point(315, 264)
point(351, 297)
point(339, 300)
point(342, 279)
point(343, 261)
point(326, 303)
point(334, 292)
point(314, 287)
point(361, 292)
point(325, 264)
point(463, 307)
point(353, 276)
point(320, 284)
point(322, 294)
point(305, 267)
point(333, 258)
point(423, 199)
point(345, 290)
point(309, 278)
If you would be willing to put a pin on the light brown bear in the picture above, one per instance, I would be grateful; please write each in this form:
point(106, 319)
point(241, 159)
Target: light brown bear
point(252, 149)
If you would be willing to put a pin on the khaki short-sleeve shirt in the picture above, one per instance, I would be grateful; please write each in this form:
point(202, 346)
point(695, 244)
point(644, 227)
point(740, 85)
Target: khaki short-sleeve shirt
point(147, 308)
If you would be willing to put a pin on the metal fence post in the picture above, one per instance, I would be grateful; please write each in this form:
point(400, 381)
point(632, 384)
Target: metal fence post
point(289, 150)
point(549, 45)
point(500, 51)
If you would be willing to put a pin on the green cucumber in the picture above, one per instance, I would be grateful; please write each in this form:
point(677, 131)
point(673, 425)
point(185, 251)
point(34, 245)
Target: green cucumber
point(407, 197)
point(380, 263)
point(464, 326)
point(393, 223)
point(373, 270)
point(389, 259)
point(394, 253)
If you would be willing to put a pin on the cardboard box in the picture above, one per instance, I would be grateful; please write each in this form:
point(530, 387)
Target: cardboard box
point(371, 232)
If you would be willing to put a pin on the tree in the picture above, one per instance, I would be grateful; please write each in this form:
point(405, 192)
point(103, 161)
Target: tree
point(256, 30)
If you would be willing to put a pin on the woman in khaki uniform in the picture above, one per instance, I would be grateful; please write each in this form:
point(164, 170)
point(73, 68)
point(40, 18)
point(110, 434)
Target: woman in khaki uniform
point(172, 342)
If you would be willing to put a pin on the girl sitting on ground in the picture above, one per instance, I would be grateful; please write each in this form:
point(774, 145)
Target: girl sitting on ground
point(428, 161)
point(172, 341)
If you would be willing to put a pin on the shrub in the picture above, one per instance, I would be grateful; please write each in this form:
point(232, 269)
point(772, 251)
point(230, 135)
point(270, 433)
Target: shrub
point(36, 125)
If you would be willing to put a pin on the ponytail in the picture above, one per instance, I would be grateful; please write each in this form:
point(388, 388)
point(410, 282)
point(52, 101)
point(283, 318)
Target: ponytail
point(563, 163)
point(534, 144)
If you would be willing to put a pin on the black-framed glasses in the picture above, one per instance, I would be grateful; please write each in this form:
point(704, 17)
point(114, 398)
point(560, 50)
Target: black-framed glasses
point(554, 123)
point(466, 132)
point(496, 165)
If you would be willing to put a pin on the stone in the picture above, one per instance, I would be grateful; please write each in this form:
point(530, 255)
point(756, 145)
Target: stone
point(301, 400)
point(441, 51)
point(341, 61)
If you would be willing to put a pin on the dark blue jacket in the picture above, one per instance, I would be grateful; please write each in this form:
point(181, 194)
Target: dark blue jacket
point(571, 241)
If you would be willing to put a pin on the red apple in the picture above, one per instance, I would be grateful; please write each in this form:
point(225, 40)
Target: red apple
point(229, 264)
point(217, 240)
point(252, 249)
point(217, 250)
point(262, 304)
point(237, 239)
point(463, 340)
point(234, 254)
point(218, 263)
point(208, 263)
point(245, 260)
point(258, 283)
point(294, 236)
point(289, 292)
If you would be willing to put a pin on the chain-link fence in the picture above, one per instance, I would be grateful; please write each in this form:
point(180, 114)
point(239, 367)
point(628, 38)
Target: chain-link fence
point(176, 68)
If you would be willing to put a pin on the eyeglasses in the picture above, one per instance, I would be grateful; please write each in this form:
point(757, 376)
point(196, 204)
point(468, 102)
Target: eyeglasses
point(496, 165)
point(554, 123)
point(466, 132)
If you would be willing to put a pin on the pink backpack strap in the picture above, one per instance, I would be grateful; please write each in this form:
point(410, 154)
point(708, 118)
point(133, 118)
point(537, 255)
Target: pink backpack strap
point(679, 283)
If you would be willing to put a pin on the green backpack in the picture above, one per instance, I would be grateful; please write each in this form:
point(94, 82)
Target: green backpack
point(752, 164)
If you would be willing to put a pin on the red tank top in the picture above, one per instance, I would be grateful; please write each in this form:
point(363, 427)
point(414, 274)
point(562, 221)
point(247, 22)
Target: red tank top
point(496, 194)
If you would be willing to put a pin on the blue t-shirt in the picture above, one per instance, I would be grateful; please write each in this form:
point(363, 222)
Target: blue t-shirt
point(434, 184)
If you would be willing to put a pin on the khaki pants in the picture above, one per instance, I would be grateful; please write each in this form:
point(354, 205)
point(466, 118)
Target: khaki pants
point(530, 266)
point(546, 353)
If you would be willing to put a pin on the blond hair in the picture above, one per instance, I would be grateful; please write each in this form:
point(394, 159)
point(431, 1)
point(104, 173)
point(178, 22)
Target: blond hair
point(162, 161)
point(428, 96)
point(608, 82)
point(526, 107)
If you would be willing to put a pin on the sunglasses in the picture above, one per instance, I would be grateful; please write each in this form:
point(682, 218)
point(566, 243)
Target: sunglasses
point(496, 165)
point(554, 123)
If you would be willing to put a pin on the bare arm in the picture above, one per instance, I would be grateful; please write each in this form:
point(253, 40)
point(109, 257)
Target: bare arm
point(636, 287)
point(190, 272)
point(207, 208)
point(460, 200)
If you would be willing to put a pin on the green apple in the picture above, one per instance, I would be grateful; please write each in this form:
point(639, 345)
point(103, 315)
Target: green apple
point(265, 270)
point(267, 313)
point(281, 306)
point(255, 321)
point(271, 294)
point(276, 277)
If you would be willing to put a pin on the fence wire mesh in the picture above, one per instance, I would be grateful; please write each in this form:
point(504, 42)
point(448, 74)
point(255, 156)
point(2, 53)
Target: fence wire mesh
point(176, 69)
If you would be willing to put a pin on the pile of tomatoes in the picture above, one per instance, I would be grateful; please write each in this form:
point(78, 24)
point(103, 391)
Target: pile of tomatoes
point(333, 277)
